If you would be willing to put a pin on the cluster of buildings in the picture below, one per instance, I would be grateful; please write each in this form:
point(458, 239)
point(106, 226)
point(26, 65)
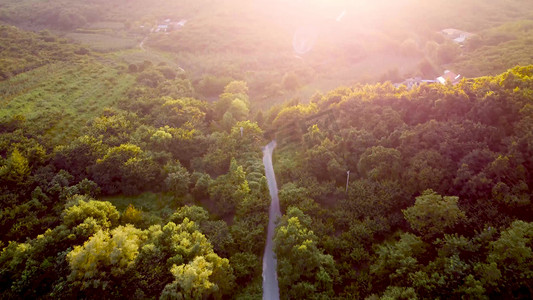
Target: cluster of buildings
point(455, 35)
point(168, 25)
point(448, 76)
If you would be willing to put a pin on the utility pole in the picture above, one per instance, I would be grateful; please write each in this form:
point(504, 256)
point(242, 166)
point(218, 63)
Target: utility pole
point(241, 131)
point(347, 180)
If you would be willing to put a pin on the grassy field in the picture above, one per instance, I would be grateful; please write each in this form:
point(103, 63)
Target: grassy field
point(57, 100)
point(102, 41)
point(137, 55)
point(148, 202)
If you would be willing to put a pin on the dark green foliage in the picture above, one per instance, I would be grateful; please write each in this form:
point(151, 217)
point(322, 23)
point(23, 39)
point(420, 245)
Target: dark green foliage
point(126, 169)
point(79, 155)
point(461, 141)
point(229, 190)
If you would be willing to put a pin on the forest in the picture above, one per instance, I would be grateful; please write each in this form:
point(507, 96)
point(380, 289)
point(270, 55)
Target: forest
point(131, 161)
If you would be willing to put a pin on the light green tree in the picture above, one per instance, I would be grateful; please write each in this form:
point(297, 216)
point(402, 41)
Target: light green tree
point(81, 208)
point(432, 214)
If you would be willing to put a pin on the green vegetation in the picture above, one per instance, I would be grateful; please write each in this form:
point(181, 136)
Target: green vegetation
point(130, 159)
point(255, 41)
point(497, 48)
point(440, 177)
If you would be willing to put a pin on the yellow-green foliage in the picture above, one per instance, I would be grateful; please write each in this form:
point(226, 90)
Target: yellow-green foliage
point(81, 208)
point(16, 169)
point(197, 270)
point(132, 215)
point(105, 252)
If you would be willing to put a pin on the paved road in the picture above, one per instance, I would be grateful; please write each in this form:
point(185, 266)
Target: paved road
point(270, 275)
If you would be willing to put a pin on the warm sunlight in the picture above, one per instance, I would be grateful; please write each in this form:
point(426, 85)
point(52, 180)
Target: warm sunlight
point(266, 149)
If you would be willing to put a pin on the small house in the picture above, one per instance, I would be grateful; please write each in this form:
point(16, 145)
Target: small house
point(456, 35)
point(449, 76)
point(162, 28)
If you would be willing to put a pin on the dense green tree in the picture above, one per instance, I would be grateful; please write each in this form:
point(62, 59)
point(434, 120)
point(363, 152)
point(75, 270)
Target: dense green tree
point(296, 196)
point(125, 168)
point(27, 219)
point(432, 214)
point(251, 139)
point(397, 259)
point(192, 281)
point(380, 163)
point(178, 179)
point(288, 122)
point(304, 271)
point(201, 185)
point(32, 267)
point(220, 151)
point(512, 253)
point(177, 112)
point(324, 162)
point(245, 266)
point(428, 169)
point(238, 110)
point(227, 191)
point(79, 155)
point(236, 87)
point(369, 199)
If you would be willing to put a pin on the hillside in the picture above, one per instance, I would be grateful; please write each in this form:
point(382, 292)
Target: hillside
point(289, 49)
point(131, 164)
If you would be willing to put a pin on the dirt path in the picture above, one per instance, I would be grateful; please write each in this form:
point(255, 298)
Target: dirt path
point(141, 44)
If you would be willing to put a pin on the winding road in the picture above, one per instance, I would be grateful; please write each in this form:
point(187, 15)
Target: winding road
point(270, 275)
